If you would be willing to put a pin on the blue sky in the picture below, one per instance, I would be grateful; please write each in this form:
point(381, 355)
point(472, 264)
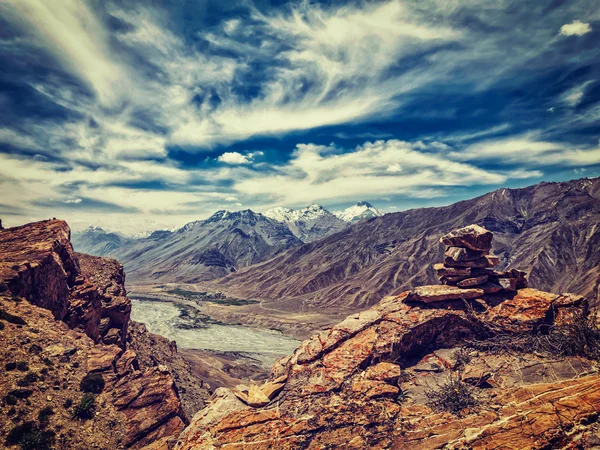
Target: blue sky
point(142, 115)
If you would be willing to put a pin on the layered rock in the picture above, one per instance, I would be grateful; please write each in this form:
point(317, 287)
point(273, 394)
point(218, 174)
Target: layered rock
point(367, 382)
point(73, 319)
point(467, 263)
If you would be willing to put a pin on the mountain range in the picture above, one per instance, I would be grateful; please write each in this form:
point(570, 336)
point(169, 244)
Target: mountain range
point(549, 230)
point(212, 248)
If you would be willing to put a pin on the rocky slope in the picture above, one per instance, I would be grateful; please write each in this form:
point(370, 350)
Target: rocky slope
point(308, 224)
point(425, 370)
point(65, 320)
point(549, 230)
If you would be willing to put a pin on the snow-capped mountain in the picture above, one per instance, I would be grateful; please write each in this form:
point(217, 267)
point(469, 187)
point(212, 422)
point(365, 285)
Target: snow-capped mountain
point(307, 224)
point(97, 241)
point(358, 212)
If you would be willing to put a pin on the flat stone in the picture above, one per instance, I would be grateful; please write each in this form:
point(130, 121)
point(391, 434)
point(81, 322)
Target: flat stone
point(472, 236)
point(473, 281)
point(480, 263)
point(446, 271)
point(463, 254)
point(490, 287)
point(272, 389)
point(440, 293)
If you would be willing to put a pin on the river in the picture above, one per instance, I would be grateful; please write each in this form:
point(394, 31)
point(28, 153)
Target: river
point(164, 317)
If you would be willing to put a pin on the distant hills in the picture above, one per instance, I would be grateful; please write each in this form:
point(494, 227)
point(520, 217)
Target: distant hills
point(223, 243)
point(549, 230)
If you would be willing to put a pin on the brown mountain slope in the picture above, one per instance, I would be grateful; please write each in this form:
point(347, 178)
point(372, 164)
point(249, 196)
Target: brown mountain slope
point(549, 230)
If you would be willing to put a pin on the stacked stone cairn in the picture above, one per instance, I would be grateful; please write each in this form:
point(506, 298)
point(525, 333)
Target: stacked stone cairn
point(468, 263)
point(466, 272)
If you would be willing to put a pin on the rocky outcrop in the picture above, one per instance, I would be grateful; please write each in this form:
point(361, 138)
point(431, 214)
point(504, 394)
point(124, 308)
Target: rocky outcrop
point(153, 351)
point(66, 316)
point(425, 369)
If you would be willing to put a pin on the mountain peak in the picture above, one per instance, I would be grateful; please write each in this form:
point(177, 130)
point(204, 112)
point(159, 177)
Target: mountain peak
point(361, 211)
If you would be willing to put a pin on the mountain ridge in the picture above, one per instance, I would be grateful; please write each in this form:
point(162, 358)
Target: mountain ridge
point(536, 227)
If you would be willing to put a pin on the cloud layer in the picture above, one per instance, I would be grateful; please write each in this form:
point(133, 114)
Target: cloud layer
point(114, 110)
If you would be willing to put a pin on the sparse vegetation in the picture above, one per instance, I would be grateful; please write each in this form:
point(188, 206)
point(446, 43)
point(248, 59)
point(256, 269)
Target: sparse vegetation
point(11, 399)
point(35, 349)
point(28, 379)
point(462, 357)
point(68, 403)
point(453, 396)
point(1, 326)
point(92, 382)
point(28, 436)
point(85, 409)
point(402, 396)
point(48, 362)
point(21, 393)
point(10, 365)
point(44, 415)
point(580, 336)
point(217, 298)
point(23, 366)
point(8, 317)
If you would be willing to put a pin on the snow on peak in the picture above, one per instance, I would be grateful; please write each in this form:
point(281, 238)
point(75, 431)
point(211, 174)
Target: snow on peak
point(281, 214)
point(360, 211)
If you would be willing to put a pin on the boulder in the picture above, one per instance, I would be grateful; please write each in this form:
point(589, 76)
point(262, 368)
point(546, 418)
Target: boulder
point(473, 237)
point(459, 254)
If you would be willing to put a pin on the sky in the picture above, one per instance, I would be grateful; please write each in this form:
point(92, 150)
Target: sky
point(136, 116)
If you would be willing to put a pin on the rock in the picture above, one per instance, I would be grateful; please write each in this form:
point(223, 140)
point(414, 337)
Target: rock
point(480, 263)
point(475, 376)
point(444, 271)
point(458, 254)
point(347, 392)
point(436, 293)
point(508, 284)
point(490, 287)
point(474, 281)
point(272, 389)
point(473, 237)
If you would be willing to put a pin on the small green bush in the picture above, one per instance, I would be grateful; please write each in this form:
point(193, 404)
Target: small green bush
point(28, 436)
point(10, 365)
point(85, 409)
point(68, 403)
point(12, 411)
point(454, 396)
point(48, 362)
point(11, 399)
point(28, 379)
point(44, 415)
point(92, 382)
point(22, 366)
point(21, 393)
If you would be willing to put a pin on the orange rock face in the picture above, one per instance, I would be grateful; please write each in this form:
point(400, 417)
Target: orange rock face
point(364, 383)
point(39, 269)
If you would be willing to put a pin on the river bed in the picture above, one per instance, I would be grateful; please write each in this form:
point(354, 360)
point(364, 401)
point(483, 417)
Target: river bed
point(164, 318)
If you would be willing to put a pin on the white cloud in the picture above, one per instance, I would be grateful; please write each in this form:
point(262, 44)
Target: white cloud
point(238, 158)
point(575, 28)
point(234, 158)
point(573, 96)
point(318, 173)
point(74, 200)
point(231, 199)
point(394, 168)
